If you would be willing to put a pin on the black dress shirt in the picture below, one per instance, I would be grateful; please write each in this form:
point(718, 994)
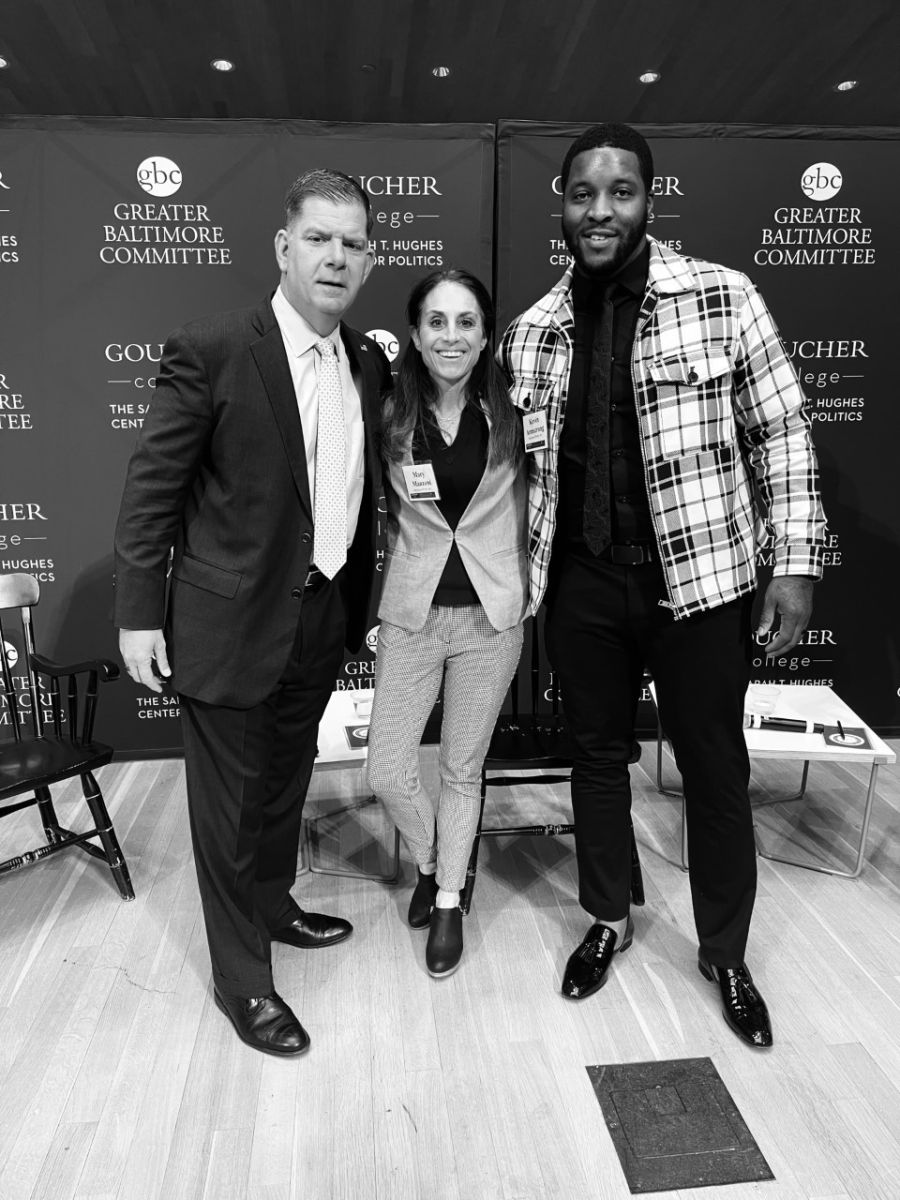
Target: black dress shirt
point(630, 510)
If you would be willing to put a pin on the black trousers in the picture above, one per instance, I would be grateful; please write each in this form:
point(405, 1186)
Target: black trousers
point(247, 775)
point(604, 624)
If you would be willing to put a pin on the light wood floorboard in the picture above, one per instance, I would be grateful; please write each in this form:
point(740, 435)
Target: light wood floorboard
point(120, 1080)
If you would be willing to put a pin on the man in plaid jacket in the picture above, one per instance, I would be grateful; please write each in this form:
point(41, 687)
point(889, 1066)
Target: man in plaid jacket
point(667, 444)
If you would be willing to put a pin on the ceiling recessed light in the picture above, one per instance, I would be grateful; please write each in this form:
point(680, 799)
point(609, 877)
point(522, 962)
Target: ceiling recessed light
point(648, 77)
point(440, 72)
point(4, 62)
point(847, 85)
point(222, 64)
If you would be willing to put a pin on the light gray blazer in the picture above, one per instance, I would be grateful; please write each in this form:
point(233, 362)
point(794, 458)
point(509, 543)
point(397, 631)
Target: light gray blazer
point(491, 537)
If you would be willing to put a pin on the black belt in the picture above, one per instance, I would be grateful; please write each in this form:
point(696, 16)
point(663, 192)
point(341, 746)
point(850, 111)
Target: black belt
point(631, 554)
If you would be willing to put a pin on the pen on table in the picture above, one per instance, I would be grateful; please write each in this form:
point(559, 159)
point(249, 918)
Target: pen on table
point(785, 724)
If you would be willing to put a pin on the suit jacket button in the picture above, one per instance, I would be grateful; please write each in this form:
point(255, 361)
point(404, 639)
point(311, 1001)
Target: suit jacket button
point(296, 593)
point(306, 538)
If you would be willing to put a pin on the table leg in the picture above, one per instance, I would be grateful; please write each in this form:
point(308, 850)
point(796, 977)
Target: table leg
point(863, 837)
point(313, 842)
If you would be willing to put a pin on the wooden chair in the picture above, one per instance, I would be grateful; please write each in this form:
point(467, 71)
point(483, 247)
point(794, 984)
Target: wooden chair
point(58, 749)
point(533, 739)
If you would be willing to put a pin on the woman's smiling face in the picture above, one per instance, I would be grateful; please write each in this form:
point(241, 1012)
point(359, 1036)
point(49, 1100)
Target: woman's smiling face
point(450, 334)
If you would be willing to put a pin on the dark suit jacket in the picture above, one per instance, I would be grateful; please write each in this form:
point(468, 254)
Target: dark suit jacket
point(219, 473)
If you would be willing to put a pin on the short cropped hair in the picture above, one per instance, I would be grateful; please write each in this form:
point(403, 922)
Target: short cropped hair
point(328, 185)
point(617, 137)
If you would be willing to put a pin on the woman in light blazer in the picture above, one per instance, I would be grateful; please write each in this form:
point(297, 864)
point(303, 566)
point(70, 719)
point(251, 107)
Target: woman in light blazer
point(455, 589)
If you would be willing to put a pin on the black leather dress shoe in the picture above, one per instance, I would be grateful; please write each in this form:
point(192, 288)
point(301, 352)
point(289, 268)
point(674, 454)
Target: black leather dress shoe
point(422, 900)
point(589, 965)
point(311, 930)
point(742, 1006)
point(445, 941)
point(264, 1022)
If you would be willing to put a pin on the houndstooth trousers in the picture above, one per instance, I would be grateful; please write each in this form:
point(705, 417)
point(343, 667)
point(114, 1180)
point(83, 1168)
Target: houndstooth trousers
point(476, 663)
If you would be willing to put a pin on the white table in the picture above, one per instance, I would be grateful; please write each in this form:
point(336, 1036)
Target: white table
point(336, 750)
point(807, 702)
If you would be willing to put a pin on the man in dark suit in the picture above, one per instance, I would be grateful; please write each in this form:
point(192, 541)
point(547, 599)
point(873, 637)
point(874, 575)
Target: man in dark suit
point(258, 463)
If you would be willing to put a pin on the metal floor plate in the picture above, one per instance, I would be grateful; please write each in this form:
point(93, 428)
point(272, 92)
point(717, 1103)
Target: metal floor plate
point(675, 1125)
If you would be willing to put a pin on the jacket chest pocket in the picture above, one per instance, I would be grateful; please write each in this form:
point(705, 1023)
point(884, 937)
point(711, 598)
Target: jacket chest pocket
point(694, 411)
point(530, 393)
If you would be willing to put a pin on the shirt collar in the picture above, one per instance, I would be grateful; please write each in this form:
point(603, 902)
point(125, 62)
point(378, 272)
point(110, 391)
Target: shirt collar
point(632, 278)
point(296, 331)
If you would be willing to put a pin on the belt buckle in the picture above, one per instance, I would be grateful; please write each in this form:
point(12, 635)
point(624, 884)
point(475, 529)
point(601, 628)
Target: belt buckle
point(630, 556)
point(313, 575)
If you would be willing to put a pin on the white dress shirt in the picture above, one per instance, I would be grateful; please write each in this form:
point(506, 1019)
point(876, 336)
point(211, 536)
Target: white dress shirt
point(299, 342)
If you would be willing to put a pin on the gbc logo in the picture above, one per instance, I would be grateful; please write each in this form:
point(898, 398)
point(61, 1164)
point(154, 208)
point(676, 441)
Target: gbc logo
point(386, 341)
point(821, 181)
point(372, 638)
point(159, 176)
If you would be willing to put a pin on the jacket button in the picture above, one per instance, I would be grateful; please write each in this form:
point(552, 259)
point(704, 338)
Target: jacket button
point(296, 593)
point(306, 537)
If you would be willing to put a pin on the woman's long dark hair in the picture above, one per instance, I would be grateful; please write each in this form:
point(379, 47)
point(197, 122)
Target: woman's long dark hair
point(408, 410)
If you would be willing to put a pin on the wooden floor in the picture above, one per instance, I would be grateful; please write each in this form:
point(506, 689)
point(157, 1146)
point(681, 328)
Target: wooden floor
point(119, 1078)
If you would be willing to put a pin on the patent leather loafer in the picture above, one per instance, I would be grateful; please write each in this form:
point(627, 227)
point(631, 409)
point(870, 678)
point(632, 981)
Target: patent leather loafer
point(742, 1006)
point(264, 1022)
point(445, 941)
point(589, 964)
point(311, 930)
point(422, 900)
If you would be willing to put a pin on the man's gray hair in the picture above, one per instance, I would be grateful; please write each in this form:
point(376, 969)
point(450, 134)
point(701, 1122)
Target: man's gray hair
point(328, 185)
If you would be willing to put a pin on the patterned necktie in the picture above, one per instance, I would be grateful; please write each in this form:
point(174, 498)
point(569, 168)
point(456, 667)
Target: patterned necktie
point(330, 508)
point(596, 520)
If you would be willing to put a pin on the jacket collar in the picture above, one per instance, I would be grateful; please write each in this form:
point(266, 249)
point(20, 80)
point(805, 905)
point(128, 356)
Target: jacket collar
point(272, 363)
point(669, 274)
point(275, 373)
point(263, 318)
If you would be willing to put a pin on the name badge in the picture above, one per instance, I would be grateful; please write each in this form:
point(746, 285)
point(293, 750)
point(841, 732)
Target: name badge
point(534, 426)
point(420, 482)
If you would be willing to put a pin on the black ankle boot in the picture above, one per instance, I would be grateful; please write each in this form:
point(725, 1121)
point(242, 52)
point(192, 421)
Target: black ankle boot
point(422, 900)
point(445, 941)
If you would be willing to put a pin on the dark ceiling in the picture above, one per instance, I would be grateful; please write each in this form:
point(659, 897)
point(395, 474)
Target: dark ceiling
point(721, 61)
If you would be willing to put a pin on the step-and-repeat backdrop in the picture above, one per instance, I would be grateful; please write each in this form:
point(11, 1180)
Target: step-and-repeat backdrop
point(113, 233)
point(811, 220)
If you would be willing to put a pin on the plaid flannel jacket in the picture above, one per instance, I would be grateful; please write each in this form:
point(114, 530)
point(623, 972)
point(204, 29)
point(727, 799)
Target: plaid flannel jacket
point(728, 460)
